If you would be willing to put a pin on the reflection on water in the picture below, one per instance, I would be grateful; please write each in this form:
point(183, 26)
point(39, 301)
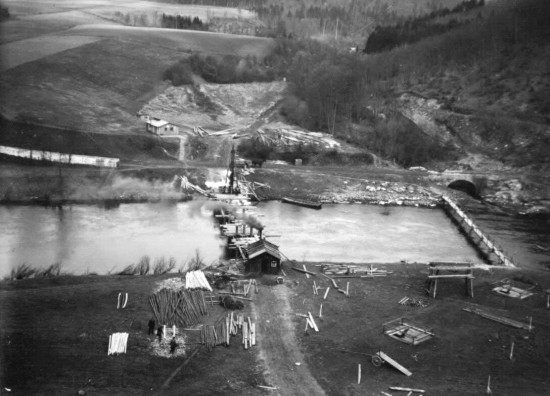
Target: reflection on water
point(363, 233)
point(94, 239)
point(90, 238)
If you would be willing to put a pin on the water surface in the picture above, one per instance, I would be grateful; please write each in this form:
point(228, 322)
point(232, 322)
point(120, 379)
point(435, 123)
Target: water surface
point(93, 239)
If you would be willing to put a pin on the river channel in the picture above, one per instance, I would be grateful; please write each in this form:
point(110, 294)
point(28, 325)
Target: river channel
point(86, 238)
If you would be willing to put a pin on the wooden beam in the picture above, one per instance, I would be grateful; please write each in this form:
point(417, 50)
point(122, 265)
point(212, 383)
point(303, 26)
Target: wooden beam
point(500, 319)
point(398, 388)
point(393, 363)
point(304, 271)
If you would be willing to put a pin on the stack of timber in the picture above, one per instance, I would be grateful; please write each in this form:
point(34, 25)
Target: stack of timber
point(117, 343)
point(220, 333)
point(352, 271)
point(182, 308)
point(196, 280)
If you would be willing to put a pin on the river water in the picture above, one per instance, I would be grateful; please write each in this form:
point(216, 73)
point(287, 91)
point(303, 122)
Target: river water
point(89, 238)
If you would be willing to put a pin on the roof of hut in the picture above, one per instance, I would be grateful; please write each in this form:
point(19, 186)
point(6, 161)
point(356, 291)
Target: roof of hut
point(260, 247)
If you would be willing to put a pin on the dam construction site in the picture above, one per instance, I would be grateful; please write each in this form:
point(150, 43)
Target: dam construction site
point(253, 198)
point(257, 321)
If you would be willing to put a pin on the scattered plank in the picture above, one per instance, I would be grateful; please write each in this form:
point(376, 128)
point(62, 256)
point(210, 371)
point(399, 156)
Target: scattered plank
point(393, 363)
point(267, 387)
point(398, 388)
point(304, 271)
point(314, 325)
point(500, 319)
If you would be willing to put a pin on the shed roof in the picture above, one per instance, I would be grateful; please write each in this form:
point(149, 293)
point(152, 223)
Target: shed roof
point(260, 247)
point(157, 123)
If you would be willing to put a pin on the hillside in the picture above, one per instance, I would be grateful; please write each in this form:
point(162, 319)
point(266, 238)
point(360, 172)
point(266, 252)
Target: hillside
point(484, 86)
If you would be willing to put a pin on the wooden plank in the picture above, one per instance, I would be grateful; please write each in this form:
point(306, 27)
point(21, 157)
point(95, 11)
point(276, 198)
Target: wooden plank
point(499, 319)
point(398, 388)
point(304, 271)
point(463, 276)
point(393, 363)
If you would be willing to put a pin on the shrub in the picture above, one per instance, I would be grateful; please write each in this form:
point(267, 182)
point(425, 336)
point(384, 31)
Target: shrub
point(22, 271)
point(128, 270)
point(52, 270)
point(163, 266)
point(143, 266)
point(196, 262)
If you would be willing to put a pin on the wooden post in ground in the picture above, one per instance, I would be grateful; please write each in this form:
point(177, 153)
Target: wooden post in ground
point(359, 374)
point(321, 311)
point(512, 350)
point(325, 297)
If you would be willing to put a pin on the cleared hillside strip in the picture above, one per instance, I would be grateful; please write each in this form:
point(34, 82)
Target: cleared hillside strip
point(24, 51)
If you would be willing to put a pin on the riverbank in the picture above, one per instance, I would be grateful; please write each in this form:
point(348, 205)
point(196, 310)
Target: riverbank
point(67, 320)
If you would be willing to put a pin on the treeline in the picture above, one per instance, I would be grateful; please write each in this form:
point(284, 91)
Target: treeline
point(385, 38)
point(182, 22)
point(219, 70)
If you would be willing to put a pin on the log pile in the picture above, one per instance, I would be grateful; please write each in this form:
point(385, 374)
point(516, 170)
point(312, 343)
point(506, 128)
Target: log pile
point(413, 302)
point(117, 343)
point(182, 308)
point(197, 280)
point(220, 333)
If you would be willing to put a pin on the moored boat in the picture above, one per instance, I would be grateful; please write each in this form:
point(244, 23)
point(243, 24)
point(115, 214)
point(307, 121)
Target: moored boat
point(302, 202)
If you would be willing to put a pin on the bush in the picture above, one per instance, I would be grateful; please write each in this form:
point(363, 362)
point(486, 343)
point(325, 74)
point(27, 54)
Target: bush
point(143, 266)
point(163, 266)
point(22, 271)
point(52, 270)
point(255, 149)
point(128, 270)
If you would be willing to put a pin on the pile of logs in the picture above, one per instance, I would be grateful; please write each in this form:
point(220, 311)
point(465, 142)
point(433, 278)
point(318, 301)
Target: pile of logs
point(352, 271)
point(117, 343)
point(196, 280)
point(413, 302)
point(181, 308)
point(220, 333)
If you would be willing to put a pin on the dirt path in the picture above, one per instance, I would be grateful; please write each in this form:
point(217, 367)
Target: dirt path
point(279, 349)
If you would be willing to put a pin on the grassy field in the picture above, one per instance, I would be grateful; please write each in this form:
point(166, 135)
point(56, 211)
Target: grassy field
point(65, 64)
point(54, 336)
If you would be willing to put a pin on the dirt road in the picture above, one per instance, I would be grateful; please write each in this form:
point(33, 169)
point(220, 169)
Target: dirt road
point(279, 349)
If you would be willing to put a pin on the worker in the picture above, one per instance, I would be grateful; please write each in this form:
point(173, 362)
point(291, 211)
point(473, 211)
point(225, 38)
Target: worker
point(151, 326)
point(159, 333)
point(173, 345)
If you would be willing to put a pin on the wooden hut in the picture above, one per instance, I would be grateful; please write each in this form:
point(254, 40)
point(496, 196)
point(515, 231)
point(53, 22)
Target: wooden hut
point(263, 256)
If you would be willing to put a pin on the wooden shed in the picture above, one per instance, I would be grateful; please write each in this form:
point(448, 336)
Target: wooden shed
point(263, 256)
point(161, 127)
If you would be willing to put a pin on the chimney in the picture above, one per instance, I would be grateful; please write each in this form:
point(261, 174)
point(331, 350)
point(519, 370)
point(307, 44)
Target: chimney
point(260, 232)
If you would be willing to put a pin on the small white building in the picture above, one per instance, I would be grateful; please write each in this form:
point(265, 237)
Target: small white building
point(160, 127)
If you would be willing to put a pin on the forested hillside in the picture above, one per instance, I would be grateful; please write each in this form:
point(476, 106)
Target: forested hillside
point(485, 82)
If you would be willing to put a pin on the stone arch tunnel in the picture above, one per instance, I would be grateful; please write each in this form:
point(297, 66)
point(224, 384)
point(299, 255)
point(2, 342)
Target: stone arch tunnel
point(465, 186)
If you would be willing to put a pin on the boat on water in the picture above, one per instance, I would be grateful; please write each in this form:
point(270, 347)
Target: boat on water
point(302, 202)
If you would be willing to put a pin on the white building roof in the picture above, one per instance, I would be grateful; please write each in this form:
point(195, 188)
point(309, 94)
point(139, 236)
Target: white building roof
point(157, 123)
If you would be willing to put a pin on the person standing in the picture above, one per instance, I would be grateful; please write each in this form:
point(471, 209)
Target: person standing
point(159, 333)
point(173, 345)
point(151, 326)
